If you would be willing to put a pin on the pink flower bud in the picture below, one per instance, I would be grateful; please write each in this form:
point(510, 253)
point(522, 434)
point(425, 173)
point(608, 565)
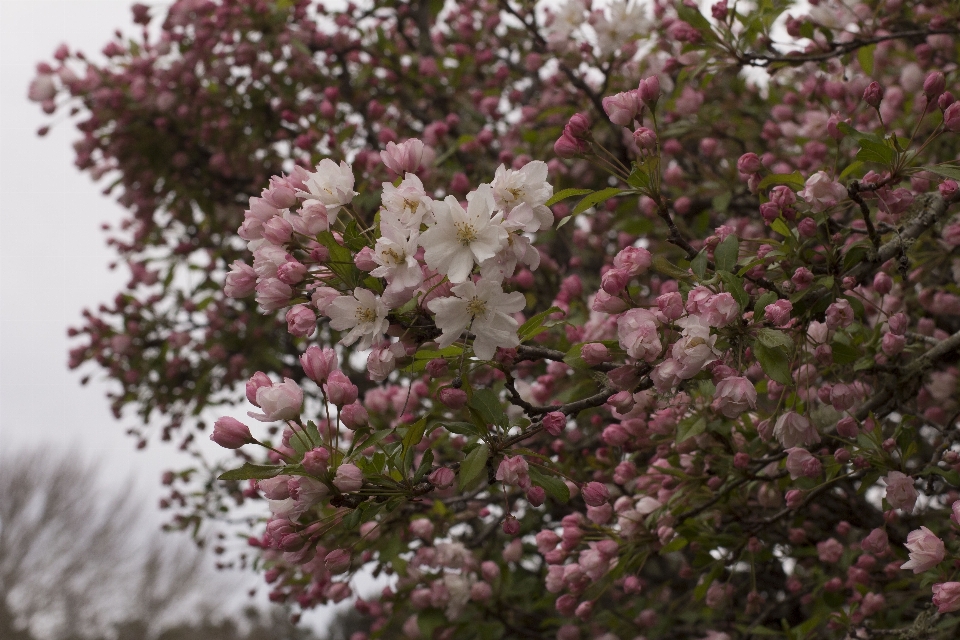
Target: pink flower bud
point(242, 280)
point(365, 260)
point(951, 117)
point(348, 478)
point(948, 189)
point(567, 146)
point(934, 84)
point(301, 321)
point(882, 283)
point(422, 528)
point(645, 138)
point(578, 126)
point(839, 314)
point(291, 272)
point(339, 390)
point(354, 416)
point(595, 493)
point(441, 478)
point(605, 303)
point(614, 281)
point(634, 261)
point(807, 227)
point(873, 94)
point(259, 379)
point(337, 561)
point(514, 471)
point(554, 423)
point(735, 395)
point(279, 401)
point(230, 433)
point(317, 363)
point(277, 230)
point(315, 461)
point(595, 353)
point(670, 305)
point(649, 91)
point(511, 526)
point(801, 464)
point(437, 367)
point(847, 428)
point(778, 313)
point(536, 496)
point(892, 344)
point(749, 163)
point(453, 398)
point(794, 498)
point(405, 157)
point(876, 543)
point(901, 494)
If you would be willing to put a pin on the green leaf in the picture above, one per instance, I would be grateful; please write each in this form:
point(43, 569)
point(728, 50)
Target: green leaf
point(699, 265)
point(488, 406)
point(426, 463)
point(774, 361)
point(766, 299)
point(252, 472)
point(564, 221)
point(947, 171)
point(690, 427)
point(794, 179)
point(853, 167)
point(429, 354)
point(555, 487)
point(773, 339)
point(537, 324)
point(675, 545)
point(473, 465)
point(596, 198)
point(865, 57)
point(856, 254)
point(664, 266)
point(341, 260)
point(726, 254)
point(411, 439)
point(879, 152)
point(431, 619)
point(734, 286)
point(566, 193)
point(371, 440)
point(844, 353)
point(781, 227)
point(859, 135)
point(463, 428)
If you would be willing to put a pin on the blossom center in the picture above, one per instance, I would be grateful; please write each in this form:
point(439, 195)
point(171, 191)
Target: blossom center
point(365, 314)
point(476, 307)
point(466, 233)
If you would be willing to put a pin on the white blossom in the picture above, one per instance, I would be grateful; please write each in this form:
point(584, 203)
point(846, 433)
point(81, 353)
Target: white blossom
point(406, 205)
point(529, 186)
point(330, 184)
point(363, 313)
point(394, 252)
point(484, 309)
point(461, 238)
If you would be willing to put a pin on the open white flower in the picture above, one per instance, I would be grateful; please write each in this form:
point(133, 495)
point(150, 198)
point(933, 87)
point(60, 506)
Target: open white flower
point(330, 184)
point(528, 185)
point(484, 308)
point(406, 205)
point(460, 239)
point(394, 252)
point(363, 313)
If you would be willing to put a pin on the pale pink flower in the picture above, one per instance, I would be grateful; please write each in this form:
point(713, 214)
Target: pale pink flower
point(795, 430)
point(802, 464)
point(279, 401)
point(720, 310)
point(485, 310)
point(241, 281)
point(735, 395)
point(695, 348)
point(637, 330)
point(946, 596)
point(394, 255)
point(830, 550)
point(405, 157)
point(514, 471)
point(901, 494)
point(230, 433)
point(332, 185)
point(42, 88)
point(527, 185)
point(621, 108)
point(926, 550)
point(405, 206)
point(822, 192)
point(461, 238)
point(363, 313)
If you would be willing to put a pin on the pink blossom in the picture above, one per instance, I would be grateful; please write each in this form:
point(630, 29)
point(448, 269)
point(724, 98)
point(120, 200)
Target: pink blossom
point(926, 550)
point(354, 416)
point(830, 550)
point(554, 423)
point(595, 353)
point(876, 543)
point(778, 312)
point(649, 91)
point(801, 464)
point(946, 596)
point(901, 494)
point(821, 192)
point(637, 330)
point(720, 310)
point(695, 348)
point(670, 305)
point(621, 108)
point(595, 493)
point(241, 281)
point(441, 478)
point(339, 389)
point(633, 260)
point(514, 471)
point(734, 396)
point(301, 321)
point(315, 461)
point(795, 430)
point(279, 401)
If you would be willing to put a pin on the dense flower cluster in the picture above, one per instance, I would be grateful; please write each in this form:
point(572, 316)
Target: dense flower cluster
point(713, 397)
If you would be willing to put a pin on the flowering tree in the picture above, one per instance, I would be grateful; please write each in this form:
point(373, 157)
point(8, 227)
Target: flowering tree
point(614, 321)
